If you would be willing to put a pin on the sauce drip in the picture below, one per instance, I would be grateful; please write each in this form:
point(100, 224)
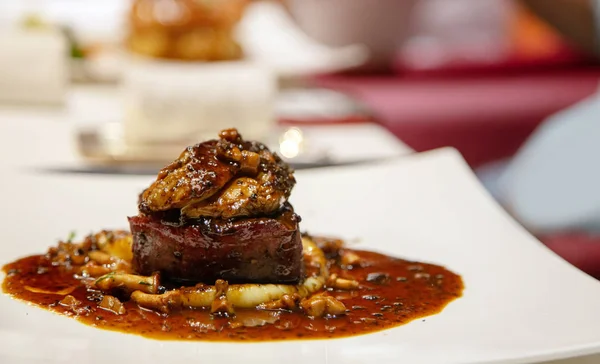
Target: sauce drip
point(392, 292)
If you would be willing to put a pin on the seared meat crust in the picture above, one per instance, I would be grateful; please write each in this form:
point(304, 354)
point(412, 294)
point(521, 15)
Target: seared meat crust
point(262, 250)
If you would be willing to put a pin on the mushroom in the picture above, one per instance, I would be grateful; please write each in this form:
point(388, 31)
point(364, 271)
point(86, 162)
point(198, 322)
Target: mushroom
point(341, 283)
point(112, 304)
point(320, 305)
point(130, 282)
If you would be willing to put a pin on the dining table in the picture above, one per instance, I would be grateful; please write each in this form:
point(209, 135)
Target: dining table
point(468, 115)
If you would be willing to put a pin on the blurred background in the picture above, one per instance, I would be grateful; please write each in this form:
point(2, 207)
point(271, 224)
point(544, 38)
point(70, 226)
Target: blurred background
point(120, 87)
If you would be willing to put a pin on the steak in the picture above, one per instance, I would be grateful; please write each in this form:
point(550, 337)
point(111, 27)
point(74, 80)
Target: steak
point(220, 211)
point(247, 250)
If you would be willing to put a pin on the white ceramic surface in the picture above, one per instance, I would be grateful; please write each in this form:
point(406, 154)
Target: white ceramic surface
point(382, 26)
point(270, 36)
point(522, 303)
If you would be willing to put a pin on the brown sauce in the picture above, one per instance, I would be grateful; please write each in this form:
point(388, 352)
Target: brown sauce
point(392, 292)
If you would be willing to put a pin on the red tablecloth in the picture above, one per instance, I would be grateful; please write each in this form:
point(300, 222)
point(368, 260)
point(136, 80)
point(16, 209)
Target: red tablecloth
point(485, 116)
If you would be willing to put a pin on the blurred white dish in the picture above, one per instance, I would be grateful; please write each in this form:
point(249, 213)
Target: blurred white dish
point(267, 33)
point(521, 304)
point(169, 102)
point(102, 148)
point(270, 36)
point(382, 26)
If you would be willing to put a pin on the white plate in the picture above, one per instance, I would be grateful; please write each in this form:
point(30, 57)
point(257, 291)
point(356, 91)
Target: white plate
point(522, 303)
point(102, 148)
point(267, 34)
point(270, 36)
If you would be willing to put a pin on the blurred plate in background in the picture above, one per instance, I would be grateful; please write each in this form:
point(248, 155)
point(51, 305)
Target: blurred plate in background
point(102, 148)
point(267, 34)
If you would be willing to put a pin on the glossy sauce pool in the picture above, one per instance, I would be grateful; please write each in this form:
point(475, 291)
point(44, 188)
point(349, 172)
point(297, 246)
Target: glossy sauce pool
point(392, 292)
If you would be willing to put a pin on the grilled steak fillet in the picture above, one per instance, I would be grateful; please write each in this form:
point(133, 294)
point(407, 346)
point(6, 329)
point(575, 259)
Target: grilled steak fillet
point(262, 250)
